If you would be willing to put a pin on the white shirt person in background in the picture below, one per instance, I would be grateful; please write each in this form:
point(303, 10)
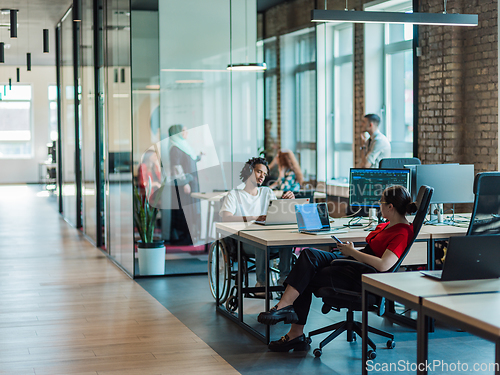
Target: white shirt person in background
point(251, 203)
point(377, 146)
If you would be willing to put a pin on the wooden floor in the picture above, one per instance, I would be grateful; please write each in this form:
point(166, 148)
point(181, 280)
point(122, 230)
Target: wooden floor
point(66, 309)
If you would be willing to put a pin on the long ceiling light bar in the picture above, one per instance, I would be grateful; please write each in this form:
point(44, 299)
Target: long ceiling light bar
point(444, 19)
point(248, 67)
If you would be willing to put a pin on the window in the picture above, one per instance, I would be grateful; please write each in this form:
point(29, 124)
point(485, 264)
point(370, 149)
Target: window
point(53, 113)
point(270, 47)
point(343, 97)
point(389, 55)
point(15, 122)
point(298, 98)
point(399, 88)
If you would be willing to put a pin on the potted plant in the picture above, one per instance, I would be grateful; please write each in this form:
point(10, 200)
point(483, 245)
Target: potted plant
point(151, 252)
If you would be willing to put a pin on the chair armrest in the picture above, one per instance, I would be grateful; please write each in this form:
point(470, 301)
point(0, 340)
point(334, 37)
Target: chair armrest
point(365, 268)
point(347, 292)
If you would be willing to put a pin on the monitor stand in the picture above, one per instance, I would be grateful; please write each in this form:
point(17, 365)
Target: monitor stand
point(372, 216)
point(437, 216)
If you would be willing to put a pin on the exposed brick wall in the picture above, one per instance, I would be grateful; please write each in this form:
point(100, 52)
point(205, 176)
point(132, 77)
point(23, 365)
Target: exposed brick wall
point(458, 93)
point(458, 96)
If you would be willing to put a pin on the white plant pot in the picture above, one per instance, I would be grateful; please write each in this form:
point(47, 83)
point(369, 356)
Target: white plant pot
point(152, 260)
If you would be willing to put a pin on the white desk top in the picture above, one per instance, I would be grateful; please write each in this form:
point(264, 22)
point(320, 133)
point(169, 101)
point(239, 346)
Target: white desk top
point(478, 310)
point(413, 285)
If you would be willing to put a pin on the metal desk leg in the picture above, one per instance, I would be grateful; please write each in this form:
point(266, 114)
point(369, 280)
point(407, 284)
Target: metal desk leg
point(497, 357)
point(240, 281)
point(266, 290)
point(422, 342)
point(217, 279)
point(364, 331)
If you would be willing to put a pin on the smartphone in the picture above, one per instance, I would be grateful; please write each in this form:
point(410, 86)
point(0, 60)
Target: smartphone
point(336, 239)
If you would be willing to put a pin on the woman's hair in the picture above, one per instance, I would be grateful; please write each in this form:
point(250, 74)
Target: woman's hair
point(250, 165)
point(287, 159)
point(175, 129)
point(400, 199)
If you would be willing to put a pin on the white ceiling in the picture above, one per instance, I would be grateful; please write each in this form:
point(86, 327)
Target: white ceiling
point(32, 18)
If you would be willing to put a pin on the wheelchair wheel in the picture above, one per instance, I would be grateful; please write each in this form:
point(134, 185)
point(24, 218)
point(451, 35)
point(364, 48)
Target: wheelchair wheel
point(224, 270)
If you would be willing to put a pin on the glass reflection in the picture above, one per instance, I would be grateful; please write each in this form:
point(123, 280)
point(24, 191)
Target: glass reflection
point(68, 121)
point(119, 133)
point(87, 121)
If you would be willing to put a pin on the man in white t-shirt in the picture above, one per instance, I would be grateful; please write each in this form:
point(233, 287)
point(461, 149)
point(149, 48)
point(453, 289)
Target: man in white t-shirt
point(250, 203)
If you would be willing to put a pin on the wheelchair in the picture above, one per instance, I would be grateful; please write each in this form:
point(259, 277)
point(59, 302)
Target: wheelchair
point(227, 254)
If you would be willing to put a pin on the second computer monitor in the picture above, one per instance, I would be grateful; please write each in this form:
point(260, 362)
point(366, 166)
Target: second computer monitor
point(452, 183)
point(366, 184)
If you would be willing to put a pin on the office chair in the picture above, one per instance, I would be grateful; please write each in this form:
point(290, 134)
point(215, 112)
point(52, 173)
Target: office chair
point(398, 163)
point(485, 217)
point(336, 299)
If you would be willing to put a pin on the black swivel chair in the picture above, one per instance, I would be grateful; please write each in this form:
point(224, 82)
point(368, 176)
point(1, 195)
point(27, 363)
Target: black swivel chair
point(485, 219)
point(398, 163)
point(336, 299)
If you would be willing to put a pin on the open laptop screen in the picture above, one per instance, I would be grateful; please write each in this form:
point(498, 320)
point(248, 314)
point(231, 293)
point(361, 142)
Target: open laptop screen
point(312, 216)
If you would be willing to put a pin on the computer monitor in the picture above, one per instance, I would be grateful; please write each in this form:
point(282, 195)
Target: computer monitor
point(452, 183)
point(367, 184)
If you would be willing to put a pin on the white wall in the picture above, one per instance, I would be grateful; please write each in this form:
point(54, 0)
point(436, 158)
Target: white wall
point(40, 77)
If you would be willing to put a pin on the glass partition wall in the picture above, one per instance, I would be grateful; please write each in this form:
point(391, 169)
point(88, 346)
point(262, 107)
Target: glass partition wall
point(68, 121)
point(165, 84)
point(118, 137)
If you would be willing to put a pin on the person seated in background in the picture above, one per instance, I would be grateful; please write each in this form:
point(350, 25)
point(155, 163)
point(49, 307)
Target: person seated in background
point(251, 203)
point(290, 176)
point(314, 268)
point(149, 173)
point(376, 147)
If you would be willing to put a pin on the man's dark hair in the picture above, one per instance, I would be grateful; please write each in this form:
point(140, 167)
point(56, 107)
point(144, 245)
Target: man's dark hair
point(250, 165)
point(373, 118)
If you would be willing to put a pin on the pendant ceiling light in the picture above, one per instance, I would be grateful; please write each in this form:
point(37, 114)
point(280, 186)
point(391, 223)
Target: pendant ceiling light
point(244, 67)
point(10, 83)
point(77, 10)
point(248, 67)
point(445, 19)
point(417, 18)
point(28, 62)
point(18, 75)
point(13, 23)
point(45, 40)
point(2, 52)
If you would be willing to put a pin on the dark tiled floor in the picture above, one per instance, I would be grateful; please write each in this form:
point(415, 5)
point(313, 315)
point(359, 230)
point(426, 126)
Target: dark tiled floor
point(189, 299)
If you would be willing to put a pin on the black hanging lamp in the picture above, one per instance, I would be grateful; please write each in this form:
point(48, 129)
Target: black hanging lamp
point(10, 83)
point(28, 62)
point(77, 11)
point(13, 23)
point(2, 52)
point(45, 40)
point(18, 75)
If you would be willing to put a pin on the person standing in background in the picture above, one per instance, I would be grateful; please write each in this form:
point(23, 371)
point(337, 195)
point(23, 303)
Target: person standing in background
point(376, 147)
point(183, 168)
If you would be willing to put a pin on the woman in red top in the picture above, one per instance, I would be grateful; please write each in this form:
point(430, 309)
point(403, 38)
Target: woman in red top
point(314, 270)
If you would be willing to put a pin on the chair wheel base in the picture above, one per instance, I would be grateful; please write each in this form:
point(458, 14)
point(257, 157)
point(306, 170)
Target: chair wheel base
point(371, 354)
point(391, 344)
point(317, 352)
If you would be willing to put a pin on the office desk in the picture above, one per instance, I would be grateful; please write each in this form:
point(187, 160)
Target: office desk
point(411, 289)
point(474, 313)
point(269, 238)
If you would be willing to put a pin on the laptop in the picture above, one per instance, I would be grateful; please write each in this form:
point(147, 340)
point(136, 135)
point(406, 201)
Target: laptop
point(281, 211)
point(313, 218)
point(470, 258)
